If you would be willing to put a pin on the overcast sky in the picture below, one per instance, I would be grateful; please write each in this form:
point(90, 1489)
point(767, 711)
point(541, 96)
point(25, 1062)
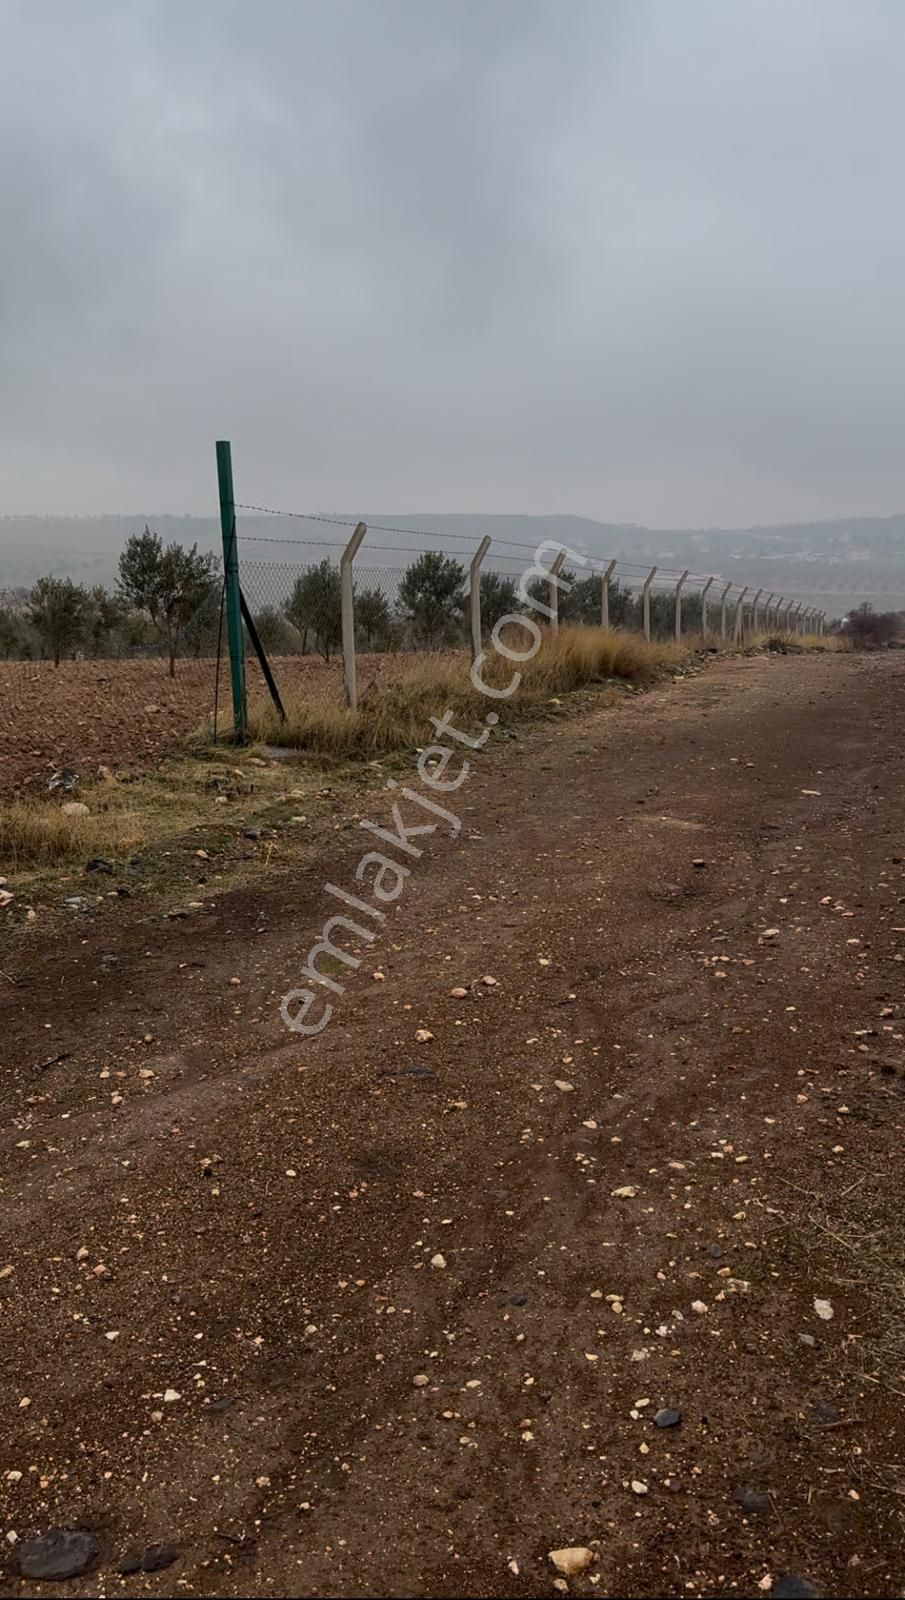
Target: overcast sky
point(638, 259)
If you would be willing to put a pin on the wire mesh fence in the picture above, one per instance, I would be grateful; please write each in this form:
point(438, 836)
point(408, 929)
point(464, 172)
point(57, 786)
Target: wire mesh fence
point(119, 687)
point(402, 599)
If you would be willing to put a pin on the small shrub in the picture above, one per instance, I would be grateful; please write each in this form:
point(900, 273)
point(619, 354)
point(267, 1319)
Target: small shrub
point(869, 629)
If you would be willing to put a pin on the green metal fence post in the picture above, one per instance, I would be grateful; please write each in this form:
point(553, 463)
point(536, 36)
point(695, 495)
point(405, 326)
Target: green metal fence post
point(233, 595)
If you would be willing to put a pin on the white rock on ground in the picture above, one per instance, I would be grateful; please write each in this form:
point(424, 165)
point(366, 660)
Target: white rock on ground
point(572, 1560)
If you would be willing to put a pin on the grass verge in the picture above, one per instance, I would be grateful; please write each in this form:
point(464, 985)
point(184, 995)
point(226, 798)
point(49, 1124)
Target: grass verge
point(183, 823)
point(36, 833)
point(394, 711)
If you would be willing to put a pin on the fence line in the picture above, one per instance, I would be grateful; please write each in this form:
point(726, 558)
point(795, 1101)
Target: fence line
point(436, 600)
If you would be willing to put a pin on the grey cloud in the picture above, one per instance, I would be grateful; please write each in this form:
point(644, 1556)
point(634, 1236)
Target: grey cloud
point(636, 259)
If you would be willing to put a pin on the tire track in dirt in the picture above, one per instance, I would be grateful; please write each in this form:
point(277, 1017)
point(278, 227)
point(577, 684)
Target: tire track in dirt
point(308, 1302)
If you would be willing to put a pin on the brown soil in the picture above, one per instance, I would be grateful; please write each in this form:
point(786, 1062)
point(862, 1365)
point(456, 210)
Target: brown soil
point(266, 1208)
point(83, 714)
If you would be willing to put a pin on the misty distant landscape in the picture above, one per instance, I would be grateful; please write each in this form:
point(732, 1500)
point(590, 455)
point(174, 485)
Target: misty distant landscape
point(836, 564)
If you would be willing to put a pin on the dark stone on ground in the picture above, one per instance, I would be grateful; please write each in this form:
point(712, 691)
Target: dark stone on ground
point(824, 1412)
point(667, 1418)
point(251, 833)
point(789, 1586)
point(155, 1558)
point(751, 1499)
point(518, 1299)
point(59, 1553)
point(158, 1556)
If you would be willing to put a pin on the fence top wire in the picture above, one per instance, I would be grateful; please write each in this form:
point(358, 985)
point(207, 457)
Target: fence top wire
point(423, 533)
point(635, 571)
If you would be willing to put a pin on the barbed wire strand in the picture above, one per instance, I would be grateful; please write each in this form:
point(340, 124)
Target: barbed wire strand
point(423, 533)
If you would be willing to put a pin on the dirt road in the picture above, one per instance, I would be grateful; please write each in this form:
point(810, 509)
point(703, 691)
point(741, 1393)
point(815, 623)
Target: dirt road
point(655, 1164)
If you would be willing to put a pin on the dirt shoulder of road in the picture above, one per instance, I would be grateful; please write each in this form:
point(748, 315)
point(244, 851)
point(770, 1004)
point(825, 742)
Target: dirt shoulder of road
point(393, 1310)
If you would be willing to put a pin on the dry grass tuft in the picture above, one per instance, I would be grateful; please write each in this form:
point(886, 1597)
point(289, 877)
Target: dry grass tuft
point(394, 711)
point(37, 833)
point(794, 643)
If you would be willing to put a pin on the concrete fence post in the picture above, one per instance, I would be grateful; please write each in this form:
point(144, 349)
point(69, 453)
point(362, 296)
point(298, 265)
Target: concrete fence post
point(679, 587)
point(645, 602)
point(723, 598)
point(553, 589)
point(474, 596)
point(767, 605)
point(755, 611)
point(605, 596)
point(738, 630)
point(704, 609)
point(347, 604)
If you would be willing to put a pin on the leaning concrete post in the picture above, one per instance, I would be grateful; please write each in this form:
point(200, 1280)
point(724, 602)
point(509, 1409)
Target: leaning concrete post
point(755, 617)
point(645, 602)
point(738, 631)
point(348, 612)
point(704, 609)
point(605, 596)
point(474, 596)
point(553, 588)
point(679, 586)
point(767, 611)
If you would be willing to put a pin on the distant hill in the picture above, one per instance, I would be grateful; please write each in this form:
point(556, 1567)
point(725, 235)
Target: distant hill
point(835, 563)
